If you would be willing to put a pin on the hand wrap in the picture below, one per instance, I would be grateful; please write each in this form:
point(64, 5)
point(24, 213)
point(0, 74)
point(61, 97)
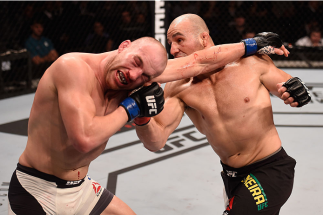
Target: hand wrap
point(298, 90)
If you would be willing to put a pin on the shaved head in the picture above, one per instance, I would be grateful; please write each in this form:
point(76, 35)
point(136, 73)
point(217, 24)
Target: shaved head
point(146, 40)
point(195, 23)
point(158, 54)
point(152, 43)
point(188, 33)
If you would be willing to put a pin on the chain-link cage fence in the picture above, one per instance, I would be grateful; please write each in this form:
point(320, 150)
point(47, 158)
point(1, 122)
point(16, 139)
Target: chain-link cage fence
point(34, 34)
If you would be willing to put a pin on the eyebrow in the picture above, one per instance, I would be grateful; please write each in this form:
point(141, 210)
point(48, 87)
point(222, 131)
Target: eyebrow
point(175, 35)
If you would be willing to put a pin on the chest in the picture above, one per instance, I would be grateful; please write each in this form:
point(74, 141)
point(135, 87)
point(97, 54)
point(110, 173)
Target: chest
point(227, 92)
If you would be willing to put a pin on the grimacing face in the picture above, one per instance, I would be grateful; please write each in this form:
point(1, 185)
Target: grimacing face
point(133, 67)
point(183, 40)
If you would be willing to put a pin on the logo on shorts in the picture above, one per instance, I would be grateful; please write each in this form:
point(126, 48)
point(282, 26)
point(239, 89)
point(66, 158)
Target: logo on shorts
point(255, 188)
point(97, 188)
point(73, 182)
point(231, 173)
point(152, 103)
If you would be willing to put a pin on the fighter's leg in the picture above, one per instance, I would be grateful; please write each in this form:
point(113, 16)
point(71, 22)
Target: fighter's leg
point(117, 207)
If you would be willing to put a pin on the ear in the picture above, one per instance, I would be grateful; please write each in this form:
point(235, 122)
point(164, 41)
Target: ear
point(205, 39)
point(125, 44)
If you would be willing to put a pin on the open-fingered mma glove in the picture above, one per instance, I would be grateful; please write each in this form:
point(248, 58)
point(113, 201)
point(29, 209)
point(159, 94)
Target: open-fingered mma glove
point(298, 90)
point(262, 43)
point(147, 101)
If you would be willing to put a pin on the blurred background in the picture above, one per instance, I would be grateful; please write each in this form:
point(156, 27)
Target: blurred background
point(34, 33)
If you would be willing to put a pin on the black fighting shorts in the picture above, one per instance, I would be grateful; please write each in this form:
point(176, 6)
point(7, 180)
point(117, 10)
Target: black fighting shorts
point(260, 188)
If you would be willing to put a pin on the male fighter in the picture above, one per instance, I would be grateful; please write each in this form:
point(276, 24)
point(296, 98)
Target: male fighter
point(232, 107)
point(80, 102)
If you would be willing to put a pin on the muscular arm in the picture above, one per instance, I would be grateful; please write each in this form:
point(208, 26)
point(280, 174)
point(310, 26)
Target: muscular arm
point(155, 134)
point(271, 75)
point(84, 128)
point(200, 62)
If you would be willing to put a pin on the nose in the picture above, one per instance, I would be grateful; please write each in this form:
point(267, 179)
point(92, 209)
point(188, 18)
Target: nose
point(135, 74)
point(174, 49)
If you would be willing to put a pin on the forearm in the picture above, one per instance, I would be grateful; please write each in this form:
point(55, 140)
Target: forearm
point(152, 135)
point(96, 131)
point(201, 62)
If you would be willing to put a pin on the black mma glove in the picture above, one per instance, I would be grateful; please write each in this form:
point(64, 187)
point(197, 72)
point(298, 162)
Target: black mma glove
point(298, 90)
point(262, 43)
point(147, 101)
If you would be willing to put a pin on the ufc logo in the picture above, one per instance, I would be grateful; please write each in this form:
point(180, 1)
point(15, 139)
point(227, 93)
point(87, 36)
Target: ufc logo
point(152, 103)
point(231, 173)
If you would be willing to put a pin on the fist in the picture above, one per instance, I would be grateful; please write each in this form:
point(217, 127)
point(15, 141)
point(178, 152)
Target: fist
point(294, 92)
point(146, 101)
point(285, 95)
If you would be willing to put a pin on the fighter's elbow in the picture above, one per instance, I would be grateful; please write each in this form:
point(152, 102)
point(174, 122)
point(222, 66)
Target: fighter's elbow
point(151, 149)
point(154, 147)
point(82, 144)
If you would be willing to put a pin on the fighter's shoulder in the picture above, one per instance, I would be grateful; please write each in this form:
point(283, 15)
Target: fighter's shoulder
point(70, 60)
point(174, 88)
point(71, 63)
point(263, 61)
point(258, 58)
point(70, 68)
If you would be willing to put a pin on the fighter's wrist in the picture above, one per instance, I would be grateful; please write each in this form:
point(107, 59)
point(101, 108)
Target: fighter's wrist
point(131, 107)
point(250, 46)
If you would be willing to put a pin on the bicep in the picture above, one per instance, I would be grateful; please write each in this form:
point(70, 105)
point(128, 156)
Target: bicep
point(75, 108)
point(75, 103)
point(272, 76)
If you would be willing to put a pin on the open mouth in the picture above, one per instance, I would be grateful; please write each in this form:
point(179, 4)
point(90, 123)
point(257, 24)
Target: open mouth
point(122, 78)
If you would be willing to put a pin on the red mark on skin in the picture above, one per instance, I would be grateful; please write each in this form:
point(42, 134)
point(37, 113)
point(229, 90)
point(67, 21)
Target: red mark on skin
point(215, 56)
point(203, 117)
point(246, 99)
point(78, 174)
point(195, 56)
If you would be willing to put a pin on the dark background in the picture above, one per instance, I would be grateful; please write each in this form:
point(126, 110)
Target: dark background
point(70, 27)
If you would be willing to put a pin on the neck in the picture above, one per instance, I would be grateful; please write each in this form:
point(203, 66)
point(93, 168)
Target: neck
point(104, 67)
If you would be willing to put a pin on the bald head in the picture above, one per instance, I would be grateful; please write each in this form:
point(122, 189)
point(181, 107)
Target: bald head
point(193, 22)
point(150, 42)
point(154, 50)
point(188, 33)
point(146, 40)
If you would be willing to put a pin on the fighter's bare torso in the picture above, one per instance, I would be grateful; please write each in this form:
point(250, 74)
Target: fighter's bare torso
point(49, 148)
point(233, 109)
